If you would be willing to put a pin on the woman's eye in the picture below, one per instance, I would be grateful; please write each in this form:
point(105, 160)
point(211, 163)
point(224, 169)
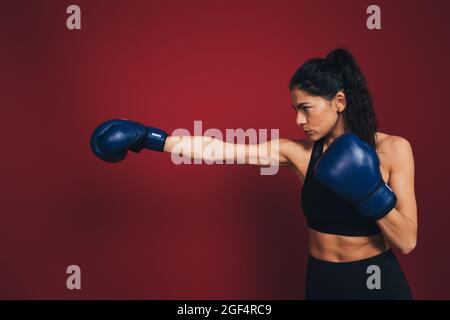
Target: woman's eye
point(307, 109)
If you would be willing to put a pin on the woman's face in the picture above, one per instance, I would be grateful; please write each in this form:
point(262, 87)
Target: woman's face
point(316, 115)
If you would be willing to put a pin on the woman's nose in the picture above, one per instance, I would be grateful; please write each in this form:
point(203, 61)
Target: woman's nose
point(301, 119)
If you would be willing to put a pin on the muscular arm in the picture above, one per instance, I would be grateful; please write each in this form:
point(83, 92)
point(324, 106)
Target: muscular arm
point(400, 225)
point(212, 149)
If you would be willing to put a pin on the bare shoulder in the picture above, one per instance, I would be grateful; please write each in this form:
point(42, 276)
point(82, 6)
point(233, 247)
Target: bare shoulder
point(395, 149)
point(297, 153)
point(298, 143)
point(294, 148)
point(387, 142)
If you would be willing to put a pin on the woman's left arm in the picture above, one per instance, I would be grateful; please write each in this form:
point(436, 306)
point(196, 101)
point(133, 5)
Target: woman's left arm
point(400, 225)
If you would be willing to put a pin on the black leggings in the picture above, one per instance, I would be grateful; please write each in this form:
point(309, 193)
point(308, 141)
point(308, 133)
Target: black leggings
point(378, 277)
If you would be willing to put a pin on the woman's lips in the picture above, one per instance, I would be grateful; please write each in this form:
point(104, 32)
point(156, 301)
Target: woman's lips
point(310, 132)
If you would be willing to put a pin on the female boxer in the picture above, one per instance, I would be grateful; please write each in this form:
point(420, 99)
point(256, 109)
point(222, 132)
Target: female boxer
point(358, 184)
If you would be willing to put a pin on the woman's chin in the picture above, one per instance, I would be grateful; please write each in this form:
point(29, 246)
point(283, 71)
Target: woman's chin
point(312, 136)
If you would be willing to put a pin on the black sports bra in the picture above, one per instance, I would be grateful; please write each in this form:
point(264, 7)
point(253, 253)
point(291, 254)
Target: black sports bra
point(328, 213)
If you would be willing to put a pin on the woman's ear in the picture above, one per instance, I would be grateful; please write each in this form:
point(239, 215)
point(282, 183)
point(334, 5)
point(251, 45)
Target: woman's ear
point(340, 101)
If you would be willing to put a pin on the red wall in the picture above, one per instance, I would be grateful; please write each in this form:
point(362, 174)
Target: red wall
point(145, 228)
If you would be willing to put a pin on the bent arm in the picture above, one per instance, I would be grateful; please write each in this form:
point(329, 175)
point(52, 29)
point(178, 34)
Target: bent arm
point(400, 225)
point(212, 149)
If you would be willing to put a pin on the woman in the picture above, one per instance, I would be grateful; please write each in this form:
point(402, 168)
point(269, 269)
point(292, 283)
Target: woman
point(350, 255)
point(331, 97)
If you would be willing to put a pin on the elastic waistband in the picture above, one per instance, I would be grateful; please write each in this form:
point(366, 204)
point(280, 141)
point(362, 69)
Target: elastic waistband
point(386, 254)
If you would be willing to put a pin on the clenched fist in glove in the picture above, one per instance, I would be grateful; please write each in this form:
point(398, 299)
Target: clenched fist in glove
point(112, 139)
point(350, 168)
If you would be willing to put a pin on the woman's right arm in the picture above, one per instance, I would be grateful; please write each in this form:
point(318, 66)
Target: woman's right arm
point(215, 150)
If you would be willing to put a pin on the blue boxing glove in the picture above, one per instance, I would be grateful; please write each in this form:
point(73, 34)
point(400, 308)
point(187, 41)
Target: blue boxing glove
point(111, 140)
point(350, 168)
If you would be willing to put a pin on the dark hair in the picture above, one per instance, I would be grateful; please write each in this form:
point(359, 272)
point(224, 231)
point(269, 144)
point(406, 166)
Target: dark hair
point(339, 71)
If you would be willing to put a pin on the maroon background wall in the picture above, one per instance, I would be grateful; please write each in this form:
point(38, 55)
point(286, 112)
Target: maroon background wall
point(145, 228)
